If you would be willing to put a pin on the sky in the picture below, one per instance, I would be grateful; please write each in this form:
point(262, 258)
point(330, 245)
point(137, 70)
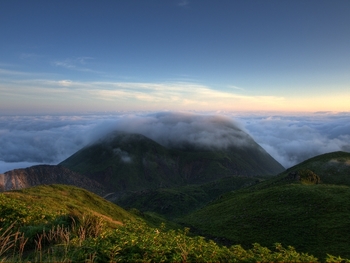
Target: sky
point(76, 57)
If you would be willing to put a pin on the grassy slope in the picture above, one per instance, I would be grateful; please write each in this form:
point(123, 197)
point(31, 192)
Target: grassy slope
point(129, 243)
point(312, 218)
point(332, 168)
point(51, 201)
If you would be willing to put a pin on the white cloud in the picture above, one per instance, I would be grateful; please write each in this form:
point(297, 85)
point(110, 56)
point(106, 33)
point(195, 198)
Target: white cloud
point(290, 139)
point(65, 83)
point(77, 64)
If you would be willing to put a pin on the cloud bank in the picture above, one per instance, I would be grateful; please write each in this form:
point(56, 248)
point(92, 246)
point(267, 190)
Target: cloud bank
point(29, 140)
point(293, 139)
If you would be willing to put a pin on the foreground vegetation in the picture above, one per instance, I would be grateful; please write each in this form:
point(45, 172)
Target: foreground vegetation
point(90, 241)
point(66, 224)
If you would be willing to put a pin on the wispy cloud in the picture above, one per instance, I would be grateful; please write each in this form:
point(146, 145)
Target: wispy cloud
point(7, 72)
point(171, 94)
point(77, 64)
point(31, 56)
point(235, 87)
point(184, 3)
point(20, 89)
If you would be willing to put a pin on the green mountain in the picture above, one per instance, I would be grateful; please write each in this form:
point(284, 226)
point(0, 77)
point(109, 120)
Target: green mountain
point(132, 162)
point(296, 208)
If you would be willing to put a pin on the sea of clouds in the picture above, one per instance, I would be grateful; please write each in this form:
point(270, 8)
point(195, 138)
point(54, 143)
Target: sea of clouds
point(290, 139)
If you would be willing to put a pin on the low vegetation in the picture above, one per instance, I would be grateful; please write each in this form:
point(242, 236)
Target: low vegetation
point(82, 227)
point(90, 241)
point(311, 217)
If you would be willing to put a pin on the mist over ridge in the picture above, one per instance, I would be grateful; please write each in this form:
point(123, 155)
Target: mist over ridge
point(176, 130)
point(290, 139)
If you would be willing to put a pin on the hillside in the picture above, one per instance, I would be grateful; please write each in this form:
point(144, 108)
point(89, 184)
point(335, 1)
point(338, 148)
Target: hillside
point(312, 217)
point(133, 162)
point(60, 223)
point(47, 174)
point(40, 204)
point(332, 168)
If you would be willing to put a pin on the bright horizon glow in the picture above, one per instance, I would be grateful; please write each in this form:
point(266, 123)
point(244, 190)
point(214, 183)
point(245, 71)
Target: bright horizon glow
point(199, 55)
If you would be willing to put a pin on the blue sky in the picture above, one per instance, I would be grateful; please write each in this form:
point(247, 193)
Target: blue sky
point(202, 55)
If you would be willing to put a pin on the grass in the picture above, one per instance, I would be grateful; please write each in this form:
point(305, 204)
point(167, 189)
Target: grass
point(43, 203)
point(91, 242)
point(66, 224)
point(311, 218)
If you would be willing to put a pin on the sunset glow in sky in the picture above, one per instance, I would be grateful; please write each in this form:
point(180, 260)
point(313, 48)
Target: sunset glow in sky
point(203, 55)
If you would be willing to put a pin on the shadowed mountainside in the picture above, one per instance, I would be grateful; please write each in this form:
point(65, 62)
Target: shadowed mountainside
point(45, 175)
point(133, 162)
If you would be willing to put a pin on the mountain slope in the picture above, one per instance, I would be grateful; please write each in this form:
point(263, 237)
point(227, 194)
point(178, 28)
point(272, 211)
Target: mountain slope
point(47, 174)
point(310, 217)
point(134, 162)
point(332, 168)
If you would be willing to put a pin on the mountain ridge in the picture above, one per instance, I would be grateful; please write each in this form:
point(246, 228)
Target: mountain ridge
point(45, 175)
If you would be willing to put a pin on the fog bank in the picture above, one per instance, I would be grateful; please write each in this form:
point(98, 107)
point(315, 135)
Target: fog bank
point(29, 140)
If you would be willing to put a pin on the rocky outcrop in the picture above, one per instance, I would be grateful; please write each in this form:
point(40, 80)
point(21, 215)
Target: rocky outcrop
point(47, 174)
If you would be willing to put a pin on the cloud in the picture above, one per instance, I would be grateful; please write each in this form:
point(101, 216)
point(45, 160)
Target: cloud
point(124, 156)
point(290, 139)
point(77, 64)
point(236, 88)
point(181, 129)
point(106, 96)
point(51, 139)
point(65, 83)
point(183, 3)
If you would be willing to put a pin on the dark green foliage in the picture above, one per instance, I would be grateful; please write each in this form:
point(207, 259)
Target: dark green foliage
point(134, 242)
point(311, 218)
point(179, 201)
